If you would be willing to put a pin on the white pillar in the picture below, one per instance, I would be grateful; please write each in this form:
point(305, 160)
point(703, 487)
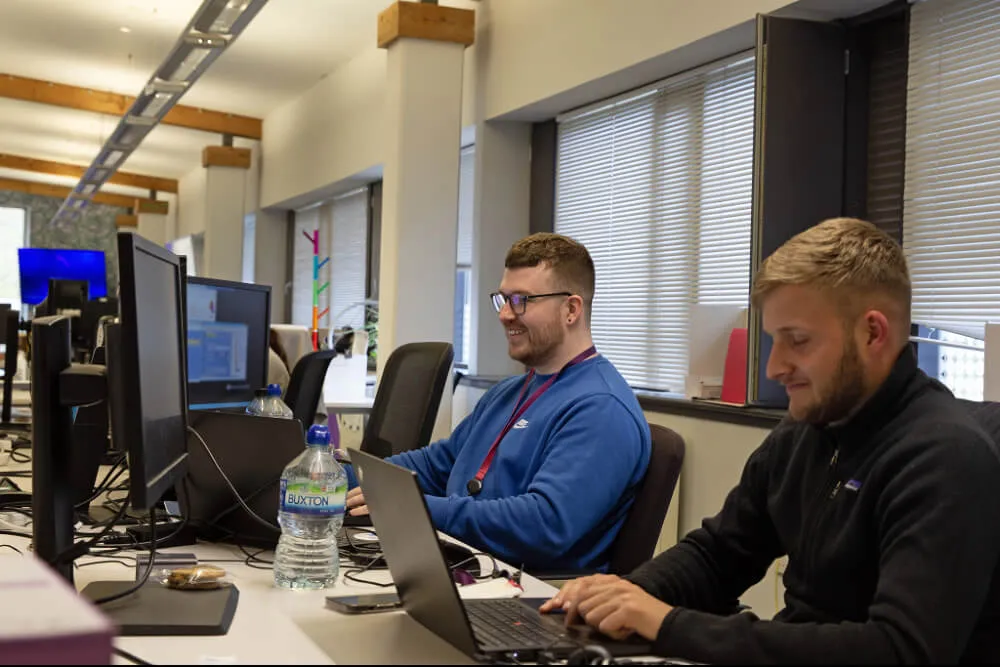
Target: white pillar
point(225, 189)
point(500, 217)
point(153, 226)
point(420, 176)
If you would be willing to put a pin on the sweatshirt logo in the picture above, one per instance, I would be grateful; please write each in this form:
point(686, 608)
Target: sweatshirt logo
point(523, 423)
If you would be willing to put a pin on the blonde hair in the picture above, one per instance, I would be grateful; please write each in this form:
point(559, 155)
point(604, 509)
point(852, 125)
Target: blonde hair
point(850, 258)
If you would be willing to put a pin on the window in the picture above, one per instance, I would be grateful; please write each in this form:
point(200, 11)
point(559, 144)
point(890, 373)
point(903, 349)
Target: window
point(951, 233)
point(463, 304)
point(13, 235)
point(343, 228)
point(657, 185)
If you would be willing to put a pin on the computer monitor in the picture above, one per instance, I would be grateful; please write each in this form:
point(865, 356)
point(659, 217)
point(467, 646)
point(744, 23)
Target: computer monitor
point(227, 341)
point(85, 335)
point(149, 364)
point(146, 381)
point(37, 265)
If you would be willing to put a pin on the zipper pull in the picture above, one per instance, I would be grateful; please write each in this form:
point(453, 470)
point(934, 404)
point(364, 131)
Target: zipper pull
point(836, 490)
point(836, 454)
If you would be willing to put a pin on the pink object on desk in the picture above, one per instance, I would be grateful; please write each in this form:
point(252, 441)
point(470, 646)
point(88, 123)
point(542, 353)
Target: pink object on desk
point(43, 621)
point(734, 377)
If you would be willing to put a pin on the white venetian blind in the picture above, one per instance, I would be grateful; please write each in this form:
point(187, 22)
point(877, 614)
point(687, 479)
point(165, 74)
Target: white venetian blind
point(348, 259)
point(466, 188)
point(951, 203)
point(657, 184)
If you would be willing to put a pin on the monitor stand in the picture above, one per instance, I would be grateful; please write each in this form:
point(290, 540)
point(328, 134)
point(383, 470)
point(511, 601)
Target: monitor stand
point(155, 610)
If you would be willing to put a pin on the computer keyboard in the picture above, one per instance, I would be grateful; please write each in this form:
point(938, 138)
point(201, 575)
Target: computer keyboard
point(509, 624)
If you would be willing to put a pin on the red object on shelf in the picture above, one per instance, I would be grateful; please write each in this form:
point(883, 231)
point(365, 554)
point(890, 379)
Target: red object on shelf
point(734, 377)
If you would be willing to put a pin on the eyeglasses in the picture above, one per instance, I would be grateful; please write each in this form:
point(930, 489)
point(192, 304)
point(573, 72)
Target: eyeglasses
point(519, 302)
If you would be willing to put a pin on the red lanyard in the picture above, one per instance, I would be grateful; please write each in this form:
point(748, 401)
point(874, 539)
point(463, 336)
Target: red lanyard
point(475, 485)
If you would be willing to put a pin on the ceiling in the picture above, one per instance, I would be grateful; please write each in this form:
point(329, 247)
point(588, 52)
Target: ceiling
point(115, 45)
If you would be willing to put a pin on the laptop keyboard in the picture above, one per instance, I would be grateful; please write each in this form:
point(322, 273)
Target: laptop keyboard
point(508, 624)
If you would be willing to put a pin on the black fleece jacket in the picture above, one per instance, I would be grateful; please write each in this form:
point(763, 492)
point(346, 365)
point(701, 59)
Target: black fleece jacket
point(891, 521)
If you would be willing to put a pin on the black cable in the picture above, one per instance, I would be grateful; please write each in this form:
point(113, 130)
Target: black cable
point(13, 533)
point(149, 568)
point(229, 483)
point(135, 660)
point(12, 548)
point(351, 575)
point(80, 548)
point(106, 482)
point(18, 457)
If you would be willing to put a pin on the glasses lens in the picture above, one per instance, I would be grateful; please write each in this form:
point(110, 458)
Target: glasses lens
point(498, 301)
point(517, 303)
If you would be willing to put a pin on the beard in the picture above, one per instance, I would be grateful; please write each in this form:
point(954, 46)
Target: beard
point(844, 393)
point(542, 343)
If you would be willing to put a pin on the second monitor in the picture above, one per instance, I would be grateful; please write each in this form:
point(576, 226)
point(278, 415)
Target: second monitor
point(227, 342)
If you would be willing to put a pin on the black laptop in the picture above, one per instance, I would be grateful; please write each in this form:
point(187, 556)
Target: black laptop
point(483, 629)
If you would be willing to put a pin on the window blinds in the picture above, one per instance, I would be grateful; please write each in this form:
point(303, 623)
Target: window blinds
point(657, 184)
point(343, 230)
point(466, 188)
point(951, 231)
point(348, 253)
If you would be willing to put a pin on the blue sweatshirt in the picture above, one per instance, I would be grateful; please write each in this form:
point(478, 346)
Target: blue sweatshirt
point(563, 478)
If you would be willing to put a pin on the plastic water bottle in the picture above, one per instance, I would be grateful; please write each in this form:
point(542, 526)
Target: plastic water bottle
point(256, 406)
point(310, 513)
point(274, 406)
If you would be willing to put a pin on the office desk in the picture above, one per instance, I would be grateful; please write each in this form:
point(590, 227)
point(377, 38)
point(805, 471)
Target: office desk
point(279, 626)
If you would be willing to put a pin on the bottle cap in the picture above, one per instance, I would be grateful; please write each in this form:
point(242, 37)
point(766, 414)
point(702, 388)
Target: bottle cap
point(318, 435)
point(274, 389)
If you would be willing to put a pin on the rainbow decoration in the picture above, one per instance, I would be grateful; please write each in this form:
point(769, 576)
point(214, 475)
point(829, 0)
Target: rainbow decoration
point(317, 288)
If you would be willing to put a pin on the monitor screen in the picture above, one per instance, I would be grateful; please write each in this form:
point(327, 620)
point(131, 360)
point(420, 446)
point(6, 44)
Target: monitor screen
point(37, 265)
point(227, 341)
point(151, 369)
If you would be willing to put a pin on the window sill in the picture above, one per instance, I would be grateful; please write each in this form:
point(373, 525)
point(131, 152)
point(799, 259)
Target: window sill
point(669, 403)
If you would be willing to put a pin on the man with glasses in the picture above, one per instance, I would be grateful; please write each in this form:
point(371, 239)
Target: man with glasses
point(545, 468)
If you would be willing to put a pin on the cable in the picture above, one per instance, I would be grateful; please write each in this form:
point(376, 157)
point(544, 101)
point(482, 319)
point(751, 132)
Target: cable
point(12, 548)
point(14, 533)
point(253, 558)
point(232, 488)
point(149, 568)
point(135, 660)
point(105, 483)
point(18, 457)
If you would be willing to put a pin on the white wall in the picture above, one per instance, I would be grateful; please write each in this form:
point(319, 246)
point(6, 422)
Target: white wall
point(330, 133)
point(191, 202)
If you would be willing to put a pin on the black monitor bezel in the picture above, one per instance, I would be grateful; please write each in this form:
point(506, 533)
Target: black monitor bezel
point(235, 284)
point(145, 492)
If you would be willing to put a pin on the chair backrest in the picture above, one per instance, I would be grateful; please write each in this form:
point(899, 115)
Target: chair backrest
point(987, 415)
point(641, 530)
point(305, 387)
point(407, 398)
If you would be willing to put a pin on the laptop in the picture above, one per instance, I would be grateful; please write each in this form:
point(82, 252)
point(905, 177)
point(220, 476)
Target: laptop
point(483, 629)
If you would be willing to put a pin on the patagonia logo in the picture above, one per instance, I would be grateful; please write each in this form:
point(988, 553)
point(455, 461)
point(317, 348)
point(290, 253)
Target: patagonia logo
point(523, 423)
point(853, 485)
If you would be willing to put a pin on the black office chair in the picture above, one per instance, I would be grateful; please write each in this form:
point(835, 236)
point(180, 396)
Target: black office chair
point(407, 399)
point(305, 387)
point(637, 539)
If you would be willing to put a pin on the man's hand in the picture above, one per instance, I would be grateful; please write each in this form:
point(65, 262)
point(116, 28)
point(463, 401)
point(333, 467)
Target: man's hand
point(356, 502)
point(614, 606)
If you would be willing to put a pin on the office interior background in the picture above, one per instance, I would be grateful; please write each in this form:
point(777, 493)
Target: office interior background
point(679, 141)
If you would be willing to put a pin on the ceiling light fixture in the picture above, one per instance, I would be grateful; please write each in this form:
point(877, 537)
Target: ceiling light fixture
point(125, 29)
point(214, 26)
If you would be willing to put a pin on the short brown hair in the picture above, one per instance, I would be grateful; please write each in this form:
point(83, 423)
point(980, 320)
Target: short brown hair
point(569, 260)
point(849, 257)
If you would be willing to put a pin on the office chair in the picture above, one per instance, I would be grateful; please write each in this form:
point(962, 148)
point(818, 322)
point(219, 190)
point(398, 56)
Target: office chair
point(637, 539)
point(305, 387)
point(407, 398)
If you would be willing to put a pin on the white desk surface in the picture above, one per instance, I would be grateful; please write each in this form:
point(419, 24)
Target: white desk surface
point(280, 626)
point(363, 404)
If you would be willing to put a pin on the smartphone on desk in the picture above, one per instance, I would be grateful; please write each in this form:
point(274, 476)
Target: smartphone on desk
point(363, 604)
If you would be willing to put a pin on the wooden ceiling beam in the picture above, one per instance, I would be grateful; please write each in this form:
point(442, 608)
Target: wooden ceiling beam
point(140, 205)
point(75, 171)
point(98, 101)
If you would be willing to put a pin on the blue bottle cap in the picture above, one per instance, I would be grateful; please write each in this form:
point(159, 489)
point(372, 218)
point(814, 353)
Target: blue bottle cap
point(274, 389)
point(318, 435)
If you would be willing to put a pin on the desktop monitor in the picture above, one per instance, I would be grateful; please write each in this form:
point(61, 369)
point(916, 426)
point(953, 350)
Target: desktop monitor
point(145, 380)
point(37, 265)
point(63, 295)
point(227, 341)
point(149, 365)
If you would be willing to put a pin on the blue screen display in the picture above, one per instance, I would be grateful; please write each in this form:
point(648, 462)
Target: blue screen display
point(37, 265)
